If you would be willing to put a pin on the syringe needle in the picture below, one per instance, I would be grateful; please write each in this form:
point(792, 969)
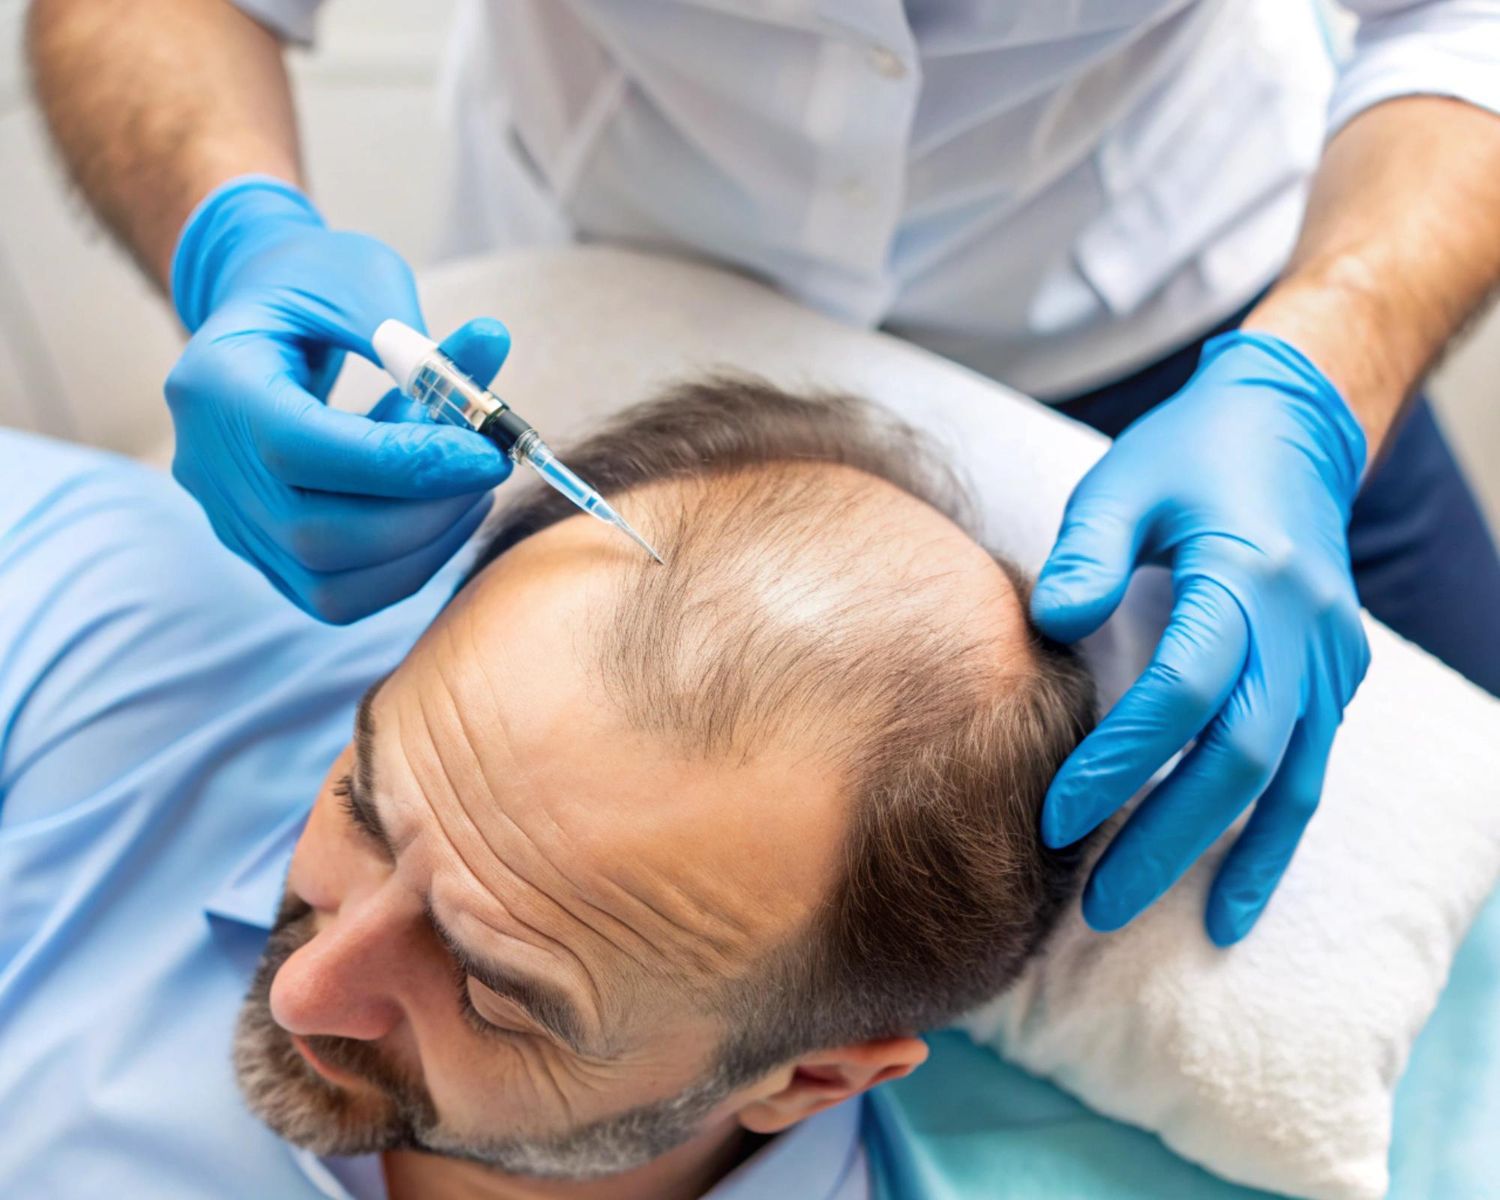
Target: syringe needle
point(536, 454)
point(621, 523)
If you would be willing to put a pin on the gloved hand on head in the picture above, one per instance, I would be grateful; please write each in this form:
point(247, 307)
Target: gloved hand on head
point(344, 514)
point(1242, 484)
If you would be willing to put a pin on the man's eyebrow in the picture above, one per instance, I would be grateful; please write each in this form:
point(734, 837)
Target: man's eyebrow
point(547, 1004)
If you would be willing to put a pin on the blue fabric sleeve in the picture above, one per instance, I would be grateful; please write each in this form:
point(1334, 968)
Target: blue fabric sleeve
point(118, 609)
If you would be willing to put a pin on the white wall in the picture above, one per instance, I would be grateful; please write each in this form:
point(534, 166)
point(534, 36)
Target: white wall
point(80, 333)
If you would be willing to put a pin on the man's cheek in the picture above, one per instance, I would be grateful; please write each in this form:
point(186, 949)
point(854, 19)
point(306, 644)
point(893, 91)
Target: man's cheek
point(488, 1091)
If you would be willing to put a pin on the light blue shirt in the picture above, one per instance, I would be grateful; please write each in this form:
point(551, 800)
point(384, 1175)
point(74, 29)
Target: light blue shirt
point(165, 720)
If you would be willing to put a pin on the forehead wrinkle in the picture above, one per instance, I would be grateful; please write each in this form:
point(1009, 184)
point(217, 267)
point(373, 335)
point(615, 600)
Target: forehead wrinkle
point(709, 945)
point(601, 924)
point(563, 879)
point(621, 985)
point(631, 941)
point(635, 943)
point(501, 861)
point(546, 940)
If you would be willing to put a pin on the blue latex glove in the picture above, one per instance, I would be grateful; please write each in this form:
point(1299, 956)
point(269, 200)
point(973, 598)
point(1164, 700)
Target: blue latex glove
point(344, 514)
point(1242, 484)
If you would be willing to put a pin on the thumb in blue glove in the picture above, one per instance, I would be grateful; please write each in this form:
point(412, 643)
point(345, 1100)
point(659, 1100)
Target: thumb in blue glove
point(1241, 483)
point(344, 514)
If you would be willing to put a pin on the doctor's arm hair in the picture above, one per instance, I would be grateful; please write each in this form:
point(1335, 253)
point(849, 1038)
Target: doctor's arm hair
point(1399, 250)
point(154, 103)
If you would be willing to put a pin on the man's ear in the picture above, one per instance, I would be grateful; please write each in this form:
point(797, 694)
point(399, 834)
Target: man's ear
point(820, 1080)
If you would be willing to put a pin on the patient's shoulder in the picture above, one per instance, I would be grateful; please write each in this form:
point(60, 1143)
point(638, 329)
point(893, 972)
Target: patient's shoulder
point(88, 538)
point(123, 621)
point(65, 506)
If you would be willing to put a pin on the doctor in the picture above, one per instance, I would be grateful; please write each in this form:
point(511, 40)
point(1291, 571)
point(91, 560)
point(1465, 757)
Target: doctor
point(1168, 210)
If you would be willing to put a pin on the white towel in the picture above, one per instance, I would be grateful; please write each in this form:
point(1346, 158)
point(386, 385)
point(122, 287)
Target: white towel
point(1274, 1063)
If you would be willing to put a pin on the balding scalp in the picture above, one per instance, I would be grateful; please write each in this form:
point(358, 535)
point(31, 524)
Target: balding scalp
point(781, 613)
point(783, 616)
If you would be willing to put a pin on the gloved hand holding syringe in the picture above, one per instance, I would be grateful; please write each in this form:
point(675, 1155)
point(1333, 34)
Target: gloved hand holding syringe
point(433, 380)
point(343, 514)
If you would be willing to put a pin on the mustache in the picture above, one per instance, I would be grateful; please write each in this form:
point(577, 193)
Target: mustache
point(292, 930)
point(302, 1106)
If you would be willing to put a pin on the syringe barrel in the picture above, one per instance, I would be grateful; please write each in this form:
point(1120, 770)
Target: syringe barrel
point(441, 387)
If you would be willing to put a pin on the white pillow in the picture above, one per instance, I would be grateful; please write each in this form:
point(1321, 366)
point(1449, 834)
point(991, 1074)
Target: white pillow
point(1271, 1063)
point(1274, 1063)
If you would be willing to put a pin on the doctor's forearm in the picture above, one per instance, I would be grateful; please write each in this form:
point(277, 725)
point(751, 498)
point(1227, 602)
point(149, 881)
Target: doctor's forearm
point(1399, 247)
point(155, 102)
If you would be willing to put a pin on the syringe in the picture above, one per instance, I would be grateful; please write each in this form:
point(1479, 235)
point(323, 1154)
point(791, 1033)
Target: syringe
point(424, 373)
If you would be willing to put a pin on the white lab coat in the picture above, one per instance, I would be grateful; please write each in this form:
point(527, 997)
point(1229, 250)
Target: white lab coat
point(1052, 191)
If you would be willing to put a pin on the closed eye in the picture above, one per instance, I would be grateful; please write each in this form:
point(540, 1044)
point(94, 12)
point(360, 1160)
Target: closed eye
point(476, 1020)
point(358, 814)
point(359, 817)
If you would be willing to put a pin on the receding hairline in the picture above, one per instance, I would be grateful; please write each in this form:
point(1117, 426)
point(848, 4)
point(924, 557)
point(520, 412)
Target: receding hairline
point(736, 433)
point(859, 483)
point(649, 503)
point(714, 423)
point(924, 576)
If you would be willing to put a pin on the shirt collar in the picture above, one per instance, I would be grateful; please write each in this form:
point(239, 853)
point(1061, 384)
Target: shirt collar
point(251, 892)
point(812, 1159)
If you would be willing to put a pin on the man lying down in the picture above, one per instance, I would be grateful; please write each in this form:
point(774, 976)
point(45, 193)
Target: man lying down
point(633, 877)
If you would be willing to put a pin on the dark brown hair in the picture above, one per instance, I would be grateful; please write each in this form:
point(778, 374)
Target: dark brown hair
point(949, 742)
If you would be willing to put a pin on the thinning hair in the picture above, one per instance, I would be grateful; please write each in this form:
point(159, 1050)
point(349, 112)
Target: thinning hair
point(947, 740)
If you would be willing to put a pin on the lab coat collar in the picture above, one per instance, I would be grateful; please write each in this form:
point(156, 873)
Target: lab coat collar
point(251, 892)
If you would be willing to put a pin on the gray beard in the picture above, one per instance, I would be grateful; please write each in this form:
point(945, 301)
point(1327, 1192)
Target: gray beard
point(283, 1090)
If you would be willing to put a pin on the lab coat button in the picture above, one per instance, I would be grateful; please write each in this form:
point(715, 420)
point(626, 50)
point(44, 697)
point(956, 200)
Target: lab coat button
point(887, 62)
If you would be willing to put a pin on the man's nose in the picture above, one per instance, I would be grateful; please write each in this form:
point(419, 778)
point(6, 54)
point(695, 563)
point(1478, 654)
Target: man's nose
point(345, 981)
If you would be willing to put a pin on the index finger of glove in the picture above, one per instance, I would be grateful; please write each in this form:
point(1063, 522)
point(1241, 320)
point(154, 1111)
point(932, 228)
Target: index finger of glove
point(479, 347)
point(308, 445)
point(1197, 663)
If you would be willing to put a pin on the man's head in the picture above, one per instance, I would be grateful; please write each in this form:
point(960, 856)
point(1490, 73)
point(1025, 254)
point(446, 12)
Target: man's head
point(720, 836)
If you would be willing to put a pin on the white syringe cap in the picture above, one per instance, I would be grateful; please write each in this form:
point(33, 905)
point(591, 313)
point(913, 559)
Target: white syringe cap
point(401, 350)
